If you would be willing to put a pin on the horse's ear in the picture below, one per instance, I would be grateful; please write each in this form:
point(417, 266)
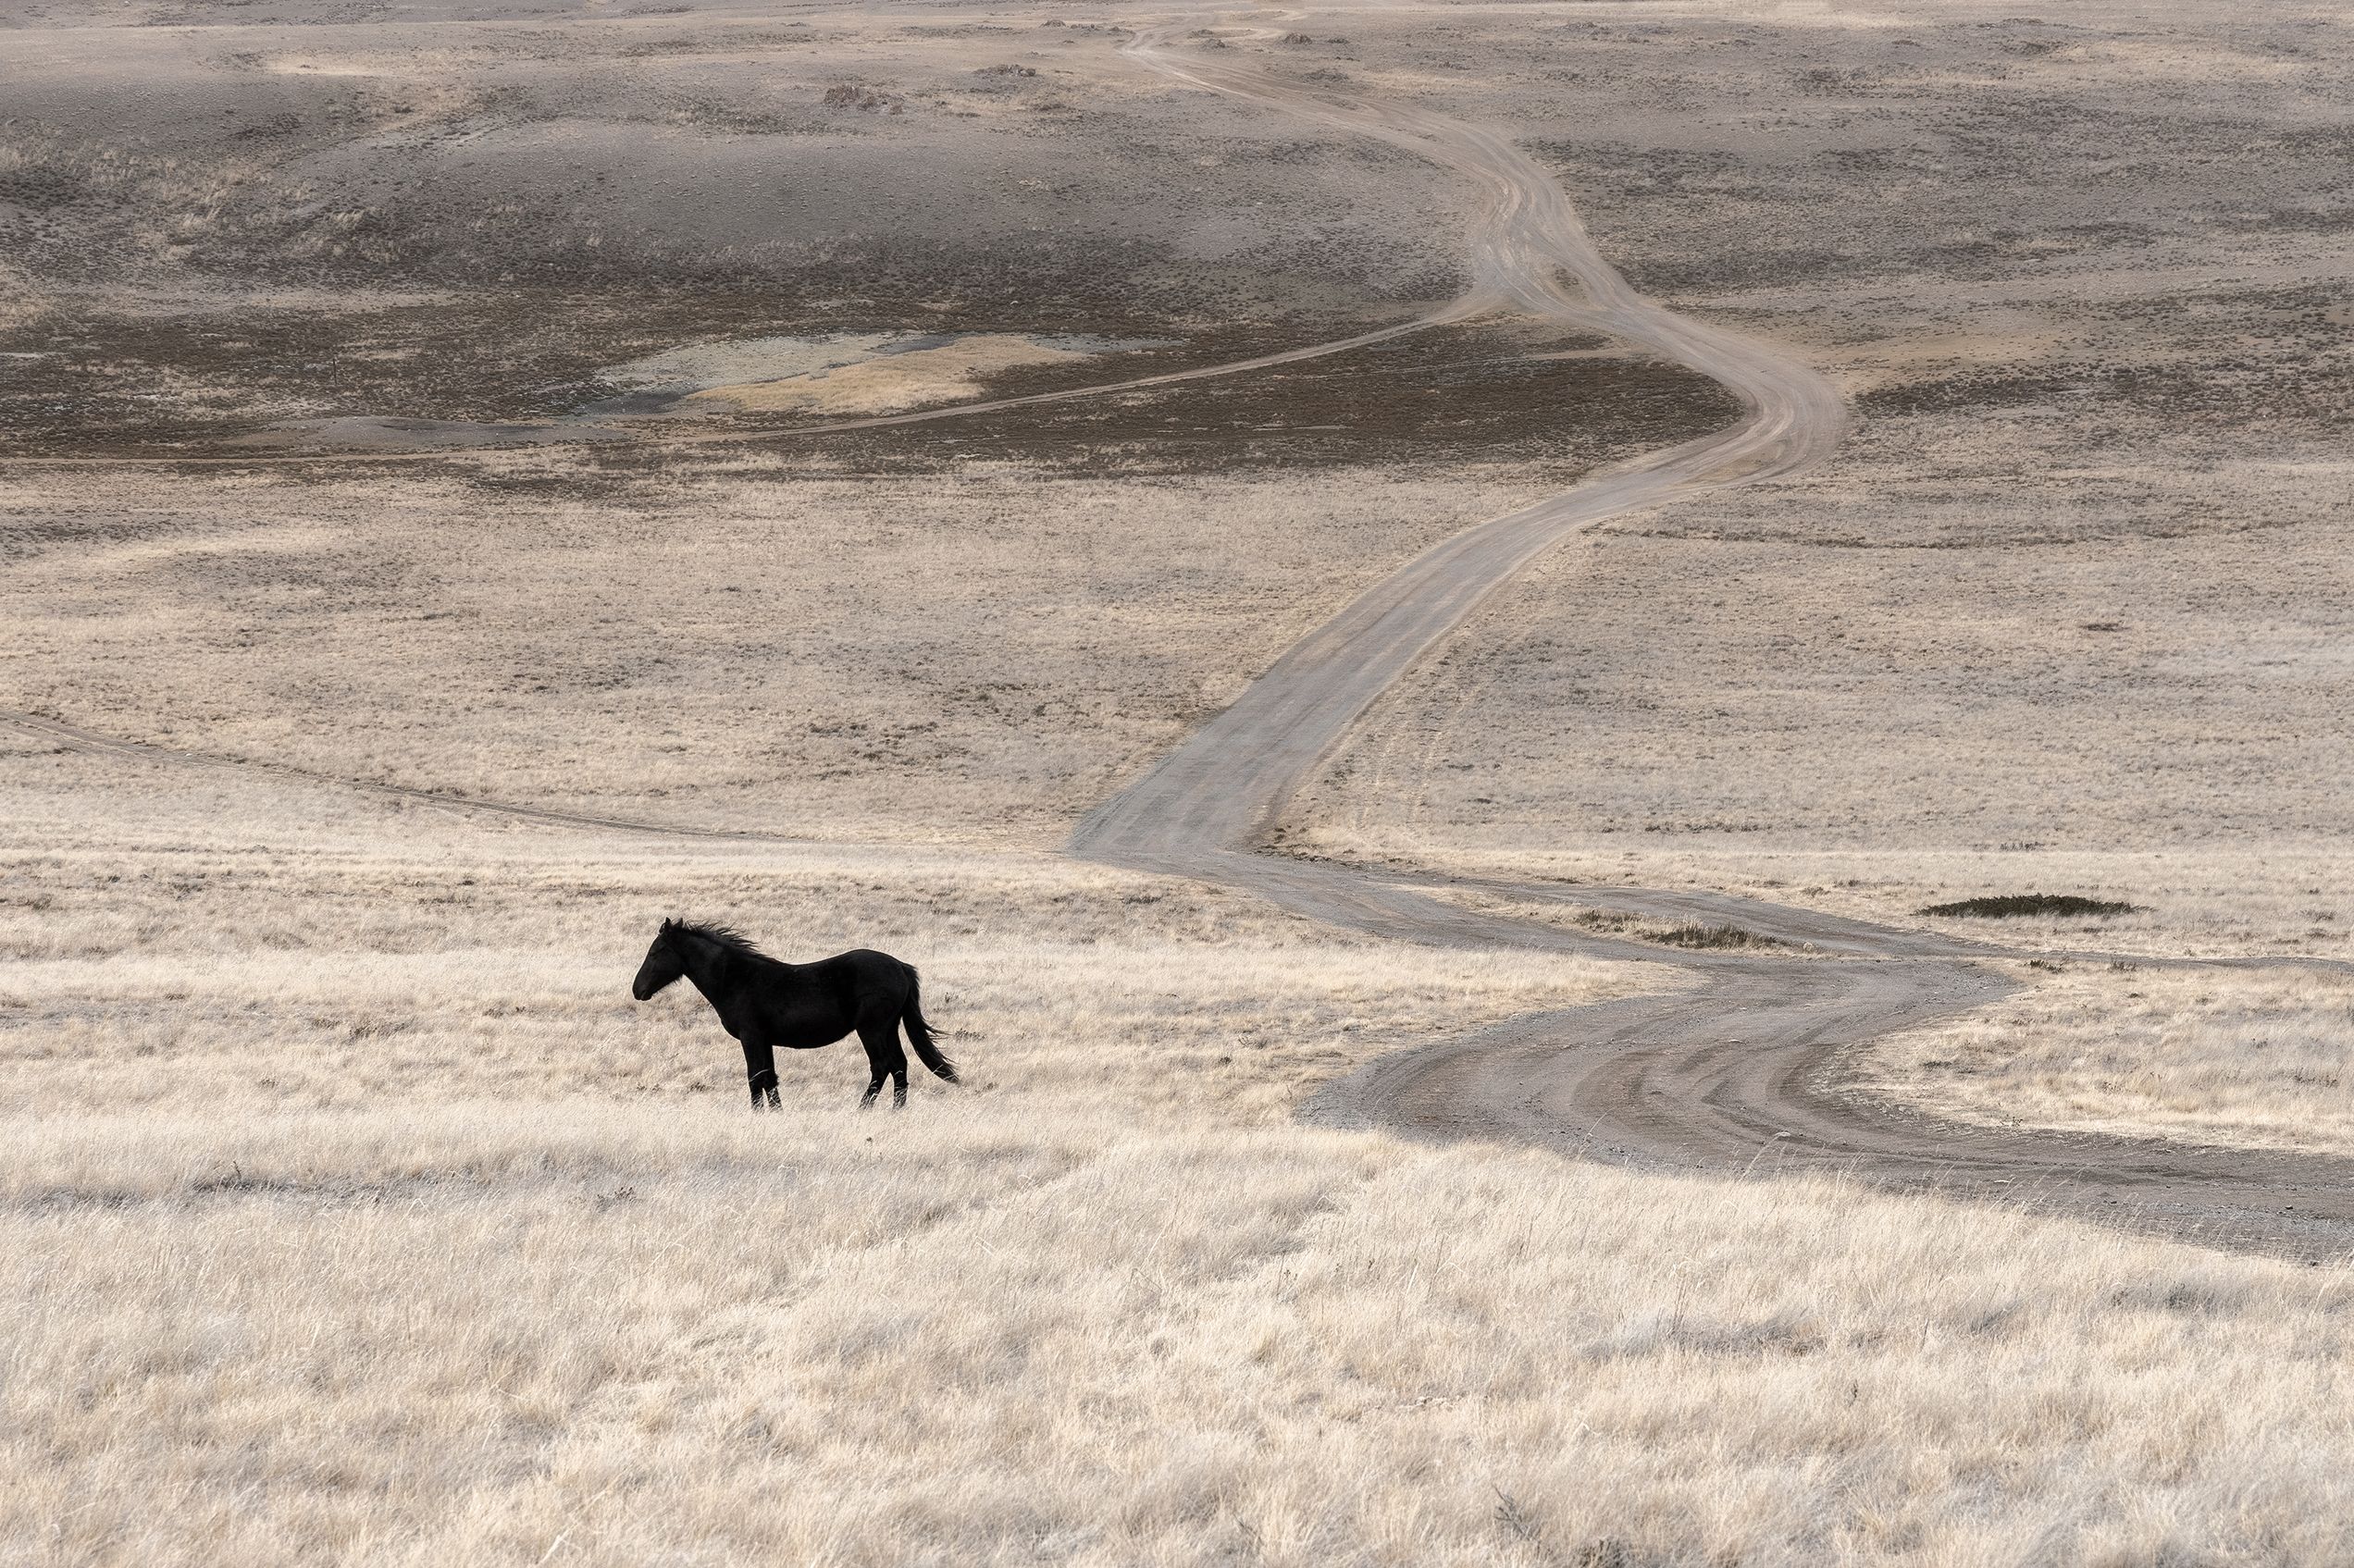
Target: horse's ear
point(668, 925)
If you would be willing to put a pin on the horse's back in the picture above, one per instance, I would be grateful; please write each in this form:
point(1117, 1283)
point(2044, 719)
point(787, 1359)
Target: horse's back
point(871, 970)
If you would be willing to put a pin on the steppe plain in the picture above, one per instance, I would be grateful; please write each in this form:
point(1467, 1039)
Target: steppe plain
point(398, 414)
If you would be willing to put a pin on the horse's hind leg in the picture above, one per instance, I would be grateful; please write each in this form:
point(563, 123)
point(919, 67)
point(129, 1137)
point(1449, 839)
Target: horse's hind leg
point(880, 1035)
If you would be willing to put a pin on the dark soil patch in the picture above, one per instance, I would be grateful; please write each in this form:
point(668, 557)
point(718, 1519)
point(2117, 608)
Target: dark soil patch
point(489, 356)
point(2285, 396)
point(1496, 391)
point(1465, 395)
point(2011, 906)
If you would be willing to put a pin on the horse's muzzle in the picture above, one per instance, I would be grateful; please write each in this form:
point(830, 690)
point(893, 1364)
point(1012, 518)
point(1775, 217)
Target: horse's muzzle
point(640, 991)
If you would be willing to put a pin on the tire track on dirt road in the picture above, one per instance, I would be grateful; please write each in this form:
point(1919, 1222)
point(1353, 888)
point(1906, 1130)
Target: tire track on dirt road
point(1741, 1071)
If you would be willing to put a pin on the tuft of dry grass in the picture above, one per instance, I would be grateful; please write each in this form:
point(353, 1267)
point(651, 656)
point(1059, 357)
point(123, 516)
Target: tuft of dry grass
point(1693, 934)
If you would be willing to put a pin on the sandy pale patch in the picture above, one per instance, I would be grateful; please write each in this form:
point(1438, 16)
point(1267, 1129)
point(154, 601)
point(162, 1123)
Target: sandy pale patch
point(892, 383)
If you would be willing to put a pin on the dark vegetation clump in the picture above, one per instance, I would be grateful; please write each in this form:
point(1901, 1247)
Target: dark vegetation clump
point(2010, 905)
point(1713, 936)
point(866, 100)
point(1691, 934)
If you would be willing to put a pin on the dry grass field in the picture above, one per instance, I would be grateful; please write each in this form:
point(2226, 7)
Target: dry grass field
point(604, 1333)
point(164, 958)
point(924, 658)
point(350, 1210)
point(2203, 1056)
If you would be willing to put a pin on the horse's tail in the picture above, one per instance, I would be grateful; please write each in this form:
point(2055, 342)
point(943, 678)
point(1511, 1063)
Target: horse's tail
point(920, 1034)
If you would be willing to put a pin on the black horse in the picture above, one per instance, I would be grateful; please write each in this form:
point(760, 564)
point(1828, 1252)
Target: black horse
point(765, 1003)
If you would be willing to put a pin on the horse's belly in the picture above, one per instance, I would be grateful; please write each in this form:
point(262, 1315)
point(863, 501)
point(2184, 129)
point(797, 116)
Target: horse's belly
point(806, 1032)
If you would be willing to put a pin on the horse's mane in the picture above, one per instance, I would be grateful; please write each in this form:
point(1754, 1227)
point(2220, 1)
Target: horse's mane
point(726, 936)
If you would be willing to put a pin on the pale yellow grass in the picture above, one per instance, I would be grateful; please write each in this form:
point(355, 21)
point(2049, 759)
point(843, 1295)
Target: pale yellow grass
point(166, 961)
point(2262, 1059)
point(964, 659)
point(1173, 1029)
point(348, 1212)
point(621, 1334)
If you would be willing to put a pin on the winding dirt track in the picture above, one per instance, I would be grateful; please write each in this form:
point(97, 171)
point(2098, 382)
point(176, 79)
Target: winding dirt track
point(1741, 1071)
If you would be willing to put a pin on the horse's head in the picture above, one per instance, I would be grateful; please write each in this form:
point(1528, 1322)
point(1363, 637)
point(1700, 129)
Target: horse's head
point(663, 963)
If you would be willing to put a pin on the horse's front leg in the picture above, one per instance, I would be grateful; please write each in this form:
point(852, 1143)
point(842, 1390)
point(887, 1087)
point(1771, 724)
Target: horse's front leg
point(760, 1068)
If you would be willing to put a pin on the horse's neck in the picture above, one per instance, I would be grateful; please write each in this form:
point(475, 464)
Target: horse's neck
point(719, 971)
point(707, 965)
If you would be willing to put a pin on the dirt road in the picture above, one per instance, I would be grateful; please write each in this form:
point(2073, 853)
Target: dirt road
point(1741, 1072)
